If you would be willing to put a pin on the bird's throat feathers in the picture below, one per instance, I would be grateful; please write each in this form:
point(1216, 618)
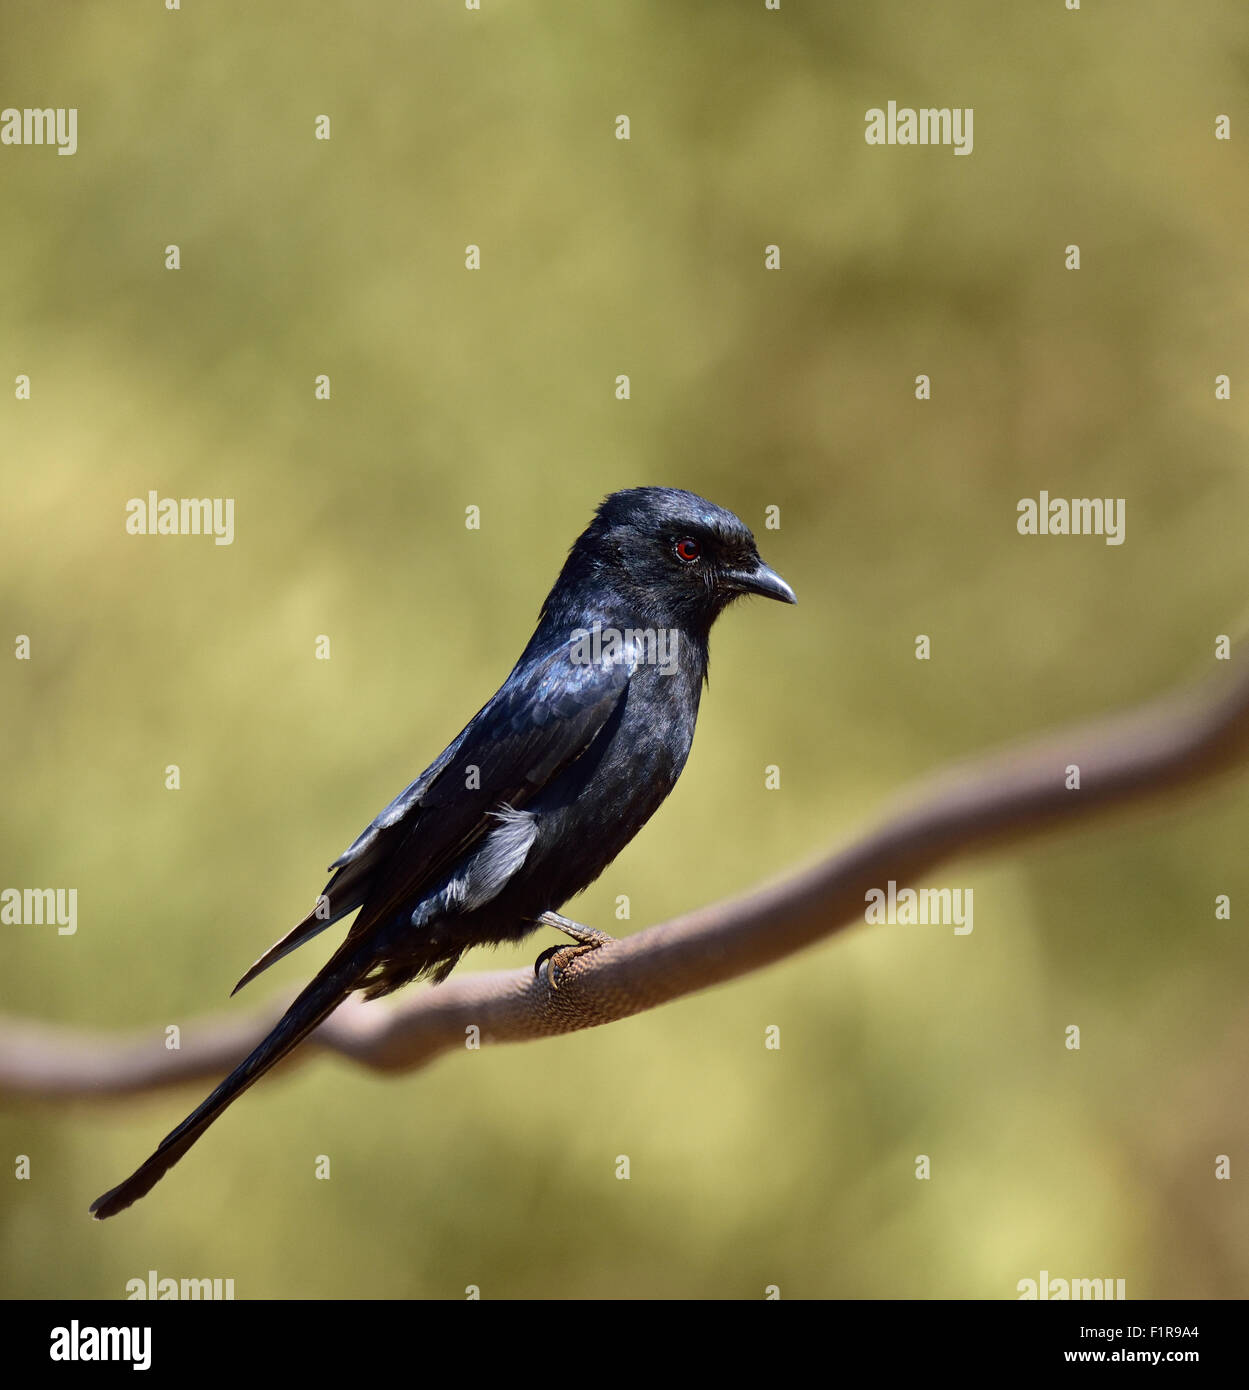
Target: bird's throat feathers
point(603, 633)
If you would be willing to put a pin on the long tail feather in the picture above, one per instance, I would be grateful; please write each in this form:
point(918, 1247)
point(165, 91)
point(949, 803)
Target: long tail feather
point(322, 996)
point(311, 926)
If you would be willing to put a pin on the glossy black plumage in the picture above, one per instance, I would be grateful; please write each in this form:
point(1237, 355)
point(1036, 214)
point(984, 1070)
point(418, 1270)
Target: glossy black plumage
point(541, 790)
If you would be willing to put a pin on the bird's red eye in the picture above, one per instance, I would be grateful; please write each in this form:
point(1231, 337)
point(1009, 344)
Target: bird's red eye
point(689, 550)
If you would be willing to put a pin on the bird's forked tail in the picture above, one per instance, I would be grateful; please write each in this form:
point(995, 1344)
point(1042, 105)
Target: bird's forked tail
point(321, 997)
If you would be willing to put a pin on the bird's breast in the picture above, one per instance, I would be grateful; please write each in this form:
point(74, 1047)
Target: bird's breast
point(601, 801)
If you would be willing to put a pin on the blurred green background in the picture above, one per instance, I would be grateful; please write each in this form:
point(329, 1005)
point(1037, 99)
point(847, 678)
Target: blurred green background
point(497, 389)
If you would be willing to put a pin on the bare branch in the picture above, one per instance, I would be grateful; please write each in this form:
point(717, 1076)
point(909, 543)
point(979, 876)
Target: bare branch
point(1145, 755)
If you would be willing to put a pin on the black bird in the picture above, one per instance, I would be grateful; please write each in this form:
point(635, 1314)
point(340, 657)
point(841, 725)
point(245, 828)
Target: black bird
point(541, 791)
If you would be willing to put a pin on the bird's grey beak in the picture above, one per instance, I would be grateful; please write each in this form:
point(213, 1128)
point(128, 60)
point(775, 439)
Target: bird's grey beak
point(762, 579)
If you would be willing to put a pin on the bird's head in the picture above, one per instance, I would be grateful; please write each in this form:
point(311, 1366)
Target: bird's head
point(672, 557)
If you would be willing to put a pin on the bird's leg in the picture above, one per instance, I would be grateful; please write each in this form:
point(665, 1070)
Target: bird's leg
point(587, 939)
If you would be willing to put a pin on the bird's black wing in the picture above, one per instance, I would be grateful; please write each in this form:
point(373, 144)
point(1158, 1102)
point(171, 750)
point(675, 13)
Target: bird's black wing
point(355, 868)
point(547, 712)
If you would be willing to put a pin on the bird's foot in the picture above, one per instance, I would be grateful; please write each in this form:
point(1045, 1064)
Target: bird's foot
point(587, 939)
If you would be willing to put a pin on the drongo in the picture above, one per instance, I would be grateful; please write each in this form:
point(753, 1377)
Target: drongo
point(540, 792)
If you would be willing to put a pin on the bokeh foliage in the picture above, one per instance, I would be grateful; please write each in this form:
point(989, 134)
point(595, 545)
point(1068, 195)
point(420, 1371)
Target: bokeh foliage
point(795, 388)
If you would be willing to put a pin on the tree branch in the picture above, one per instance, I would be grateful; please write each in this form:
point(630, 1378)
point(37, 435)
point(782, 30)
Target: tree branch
point(1144, 755)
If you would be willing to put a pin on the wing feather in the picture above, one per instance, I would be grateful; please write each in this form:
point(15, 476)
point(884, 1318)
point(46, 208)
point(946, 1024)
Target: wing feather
point(547, 713)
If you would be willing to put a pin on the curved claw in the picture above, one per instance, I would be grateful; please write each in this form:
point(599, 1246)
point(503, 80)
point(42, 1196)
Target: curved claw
point(586, 939)
point(555, 954)
point(544, 957)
